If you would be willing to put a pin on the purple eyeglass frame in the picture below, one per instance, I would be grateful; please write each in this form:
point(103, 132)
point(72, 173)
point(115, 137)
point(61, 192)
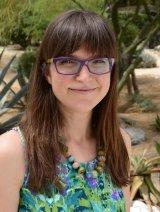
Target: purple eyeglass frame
point(82, 63)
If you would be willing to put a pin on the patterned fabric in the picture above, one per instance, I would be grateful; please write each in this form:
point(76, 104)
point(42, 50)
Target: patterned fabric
point(80, 194)
point(88, 194)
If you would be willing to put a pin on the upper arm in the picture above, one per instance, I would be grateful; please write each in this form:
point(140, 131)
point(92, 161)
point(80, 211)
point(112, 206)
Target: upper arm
point(126, 189)
point(11, 171)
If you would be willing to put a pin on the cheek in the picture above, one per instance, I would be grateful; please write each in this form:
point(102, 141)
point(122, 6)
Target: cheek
point(59, 85)
point(105, 84)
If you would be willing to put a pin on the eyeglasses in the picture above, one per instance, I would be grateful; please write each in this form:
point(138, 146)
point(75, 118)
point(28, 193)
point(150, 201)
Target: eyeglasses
point(72, 65)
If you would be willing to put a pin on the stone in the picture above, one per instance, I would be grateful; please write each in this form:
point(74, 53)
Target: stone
point(137, 135)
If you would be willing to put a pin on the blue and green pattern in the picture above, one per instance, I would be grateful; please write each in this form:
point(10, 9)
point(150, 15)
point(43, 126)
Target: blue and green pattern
point(88, 194)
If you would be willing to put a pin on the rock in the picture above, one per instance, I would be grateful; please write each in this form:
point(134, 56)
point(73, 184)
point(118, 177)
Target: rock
point(126, 122)
point(139, 206)
point(137, 135)
point(14, 47)
point(157, 48)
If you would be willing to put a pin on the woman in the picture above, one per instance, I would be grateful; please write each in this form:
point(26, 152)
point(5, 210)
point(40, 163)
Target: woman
point(75, 156)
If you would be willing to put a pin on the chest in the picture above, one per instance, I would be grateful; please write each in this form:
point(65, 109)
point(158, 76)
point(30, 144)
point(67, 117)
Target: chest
point(86, 194)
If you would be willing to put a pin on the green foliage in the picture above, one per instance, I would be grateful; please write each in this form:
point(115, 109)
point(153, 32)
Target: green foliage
point(158, 147)
point(25, 64)
point(143, 103)
point(131, 30)
point(156, 124)
point(24, 22)
point(141, 171)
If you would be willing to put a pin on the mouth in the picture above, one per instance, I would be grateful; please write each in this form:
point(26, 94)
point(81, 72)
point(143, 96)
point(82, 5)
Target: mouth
point(82, 90)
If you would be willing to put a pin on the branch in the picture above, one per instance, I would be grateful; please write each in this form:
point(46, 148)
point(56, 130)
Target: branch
point(128, 22)
point(126, 74)
point(115, 18)
point(147, 10)
point(142, 34)
point(141, 46)
point(136, 61)
point(78, 4)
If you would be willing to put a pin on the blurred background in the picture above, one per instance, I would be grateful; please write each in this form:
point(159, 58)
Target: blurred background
point(136, 24)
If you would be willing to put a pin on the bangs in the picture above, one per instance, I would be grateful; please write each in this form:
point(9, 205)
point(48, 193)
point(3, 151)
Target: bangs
point(73, 30)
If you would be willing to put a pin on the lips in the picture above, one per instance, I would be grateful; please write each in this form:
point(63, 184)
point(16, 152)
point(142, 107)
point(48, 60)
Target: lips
point(82, 89)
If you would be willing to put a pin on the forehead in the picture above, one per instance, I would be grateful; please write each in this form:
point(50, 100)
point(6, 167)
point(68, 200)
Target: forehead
point(82, 53)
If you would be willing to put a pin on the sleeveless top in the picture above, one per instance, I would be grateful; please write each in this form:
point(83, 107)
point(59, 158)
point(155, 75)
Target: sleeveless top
point(89, 194)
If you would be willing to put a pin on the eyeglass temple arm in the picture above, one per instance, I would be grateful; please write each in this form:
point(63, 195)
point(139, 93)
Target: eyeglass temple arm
point(49, 61)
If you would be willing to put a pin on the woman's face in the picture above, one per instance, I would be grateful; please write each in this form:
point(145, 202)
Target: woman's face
point(68, 88)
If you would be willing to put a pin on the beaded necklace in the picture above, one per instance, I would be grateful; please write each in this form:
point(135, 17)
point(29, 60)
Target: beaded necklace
point(81, 171)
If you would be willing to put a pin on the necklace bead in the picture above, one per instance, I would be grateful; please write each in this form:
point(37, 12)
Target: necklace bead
point(75, 165)
point(101, 153)
point(81, 170)
point(101, 158)
point(101, 163)
point(71, 159)
point(99, 169)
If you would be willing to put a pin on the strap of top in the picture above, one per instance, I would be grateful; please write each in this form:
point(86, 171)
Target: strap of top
point(23, 141)
point(20, 134)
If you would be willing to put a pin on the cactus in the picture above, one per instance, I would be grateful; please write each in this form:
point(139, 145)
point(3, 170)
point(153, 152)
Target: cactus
point(6, 103)
point(141, 171)
point(157, 123)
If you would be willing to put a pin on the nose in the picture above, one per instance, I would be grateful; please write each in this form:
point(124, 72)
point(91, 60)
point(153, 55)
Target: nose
point(84, 73)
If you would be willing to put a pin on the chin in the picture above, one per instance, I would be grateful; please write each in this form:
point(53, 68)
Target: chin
point(81, 108)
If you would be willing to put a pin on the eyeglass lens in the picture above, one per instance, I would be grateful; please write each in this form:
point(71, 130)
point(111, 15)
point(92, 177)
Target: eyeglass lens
point(72, 66)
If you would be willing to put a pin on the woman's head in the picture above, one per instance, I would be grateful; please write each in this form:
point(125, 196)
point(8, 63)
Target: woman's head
point(83, 35)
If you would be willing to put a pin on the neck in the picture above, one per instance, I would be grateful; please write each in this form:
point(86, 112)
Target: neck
point(77, 127)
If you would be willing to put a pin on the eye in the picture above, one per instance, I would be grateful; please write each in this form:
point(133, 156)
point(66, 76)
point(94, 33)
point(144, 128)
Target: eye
point(99, 61)
point(67, 62)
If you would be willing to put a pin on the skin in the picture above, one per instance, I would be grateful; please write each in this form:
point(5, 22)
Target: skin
point(77, 109)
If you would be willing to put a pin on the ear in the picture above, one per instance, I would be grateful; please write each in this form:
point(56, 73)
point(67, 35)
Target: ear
point(48, 76)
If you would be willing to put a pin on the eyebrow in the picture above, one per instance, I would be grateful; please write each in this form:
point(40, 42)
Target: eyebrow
point(93, 57)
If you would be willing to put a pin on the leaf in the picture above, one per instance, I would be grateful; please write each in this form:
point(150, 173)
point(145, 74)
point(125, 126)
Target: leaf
point(17, 96)
point(152, 188)
point(153, 161)
point(5, 69)
point(145, 194)
point(158, 147)
point(7, 87)
point(137, 182)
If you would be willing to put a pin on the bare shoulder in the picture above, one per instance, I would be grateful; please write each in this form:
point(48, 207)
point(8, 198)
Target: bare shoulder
point(127, 139)
point(12, 150)
point(11, 170)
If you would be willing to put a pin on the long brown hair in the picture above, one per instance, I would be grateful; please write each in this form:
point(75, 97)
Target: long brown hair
point(43, 120)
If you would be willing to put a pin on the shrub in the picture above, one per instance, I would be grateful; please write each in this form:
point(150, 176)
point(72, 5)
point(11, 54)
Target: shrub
point(24, 66)
point(143, 103)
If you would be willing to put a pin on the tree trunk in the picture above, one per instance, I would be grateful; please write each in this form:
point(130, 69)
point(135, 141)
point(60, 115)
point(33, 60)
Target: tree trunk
point(134, 83)
point(129, 85)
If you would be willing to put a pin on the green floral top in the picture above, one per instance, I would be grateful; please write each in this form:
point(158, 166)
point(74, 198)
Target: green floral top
point(80, 194)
